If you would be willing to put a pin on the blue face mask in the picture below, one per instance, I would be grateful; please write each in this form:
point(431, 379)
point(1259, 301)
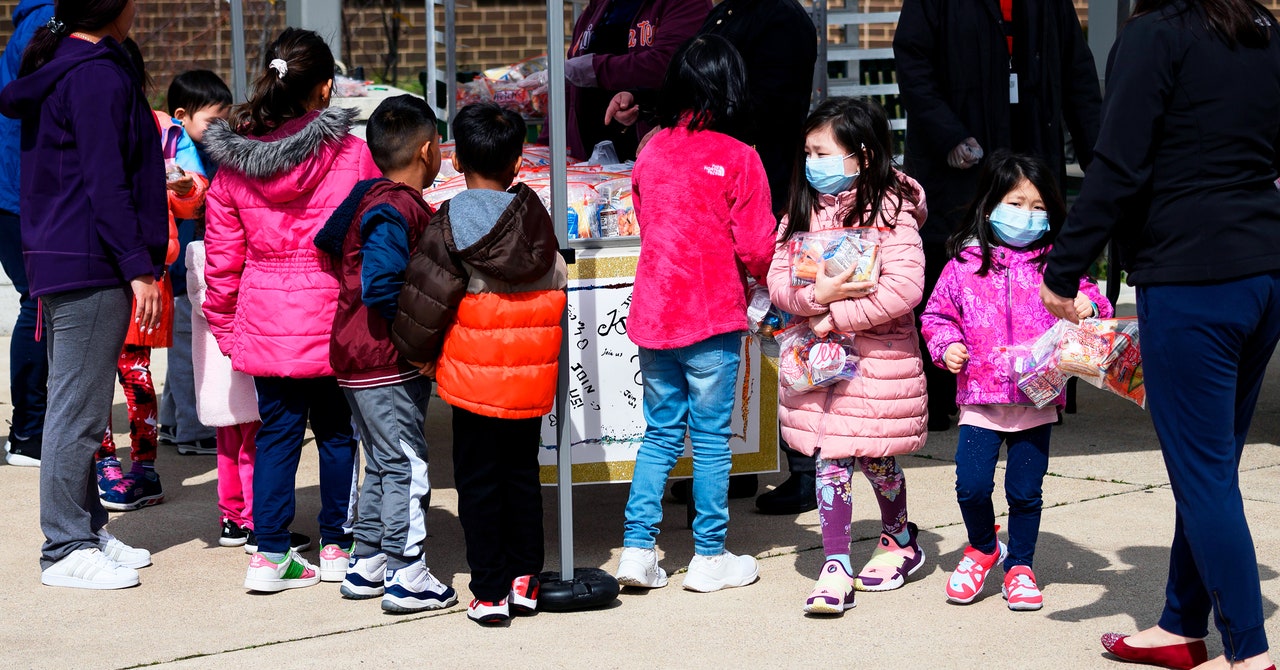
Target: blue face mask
point(1018, 227)
point(826, 175)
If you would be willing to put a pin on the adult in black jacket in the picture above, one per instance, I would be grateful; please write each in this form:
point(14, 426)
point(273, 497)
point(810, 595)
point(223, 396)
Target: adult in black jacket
point(954, 61)
point(1184, 181)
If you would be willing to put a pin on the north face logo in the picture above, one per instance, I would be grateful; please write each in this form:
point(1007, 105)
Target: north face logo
point(714, 170)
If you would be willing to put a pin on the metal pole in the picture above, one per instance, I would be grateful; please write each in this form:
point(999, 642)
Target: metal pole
point(239, 86)
point(429, 83)
point(559, 196)
point(820, 82)
point(451, 56)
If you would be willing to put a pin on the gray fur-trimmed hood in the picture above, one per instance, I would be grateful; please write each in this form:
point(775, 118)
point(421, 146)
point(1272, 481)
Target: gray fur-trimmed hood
point(281, 151)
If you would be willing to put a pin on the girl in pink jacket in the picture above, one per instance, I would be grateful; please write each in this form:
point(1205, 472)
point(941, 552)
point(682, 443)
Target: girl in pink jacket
point(272, 295)
point(844, 178)
point(989, 297)
point(702, 200)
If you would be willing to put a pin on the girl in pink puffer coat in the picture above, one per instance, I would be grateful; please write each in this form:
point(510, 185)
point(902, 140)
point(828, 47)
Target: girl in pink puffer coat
point(989, 297)
point(849, 180)
point(272, 295)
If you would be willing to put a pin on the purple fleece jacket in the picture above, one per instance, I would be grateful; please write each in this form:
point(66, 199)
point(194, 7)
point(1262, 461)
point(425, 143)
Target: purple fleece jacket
point(94, 209)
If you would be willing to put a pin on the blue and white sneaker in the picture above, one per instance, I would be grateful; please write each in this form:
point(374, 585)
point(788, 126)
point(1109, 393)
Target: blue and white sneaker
point(365, 576)
point(414, 589)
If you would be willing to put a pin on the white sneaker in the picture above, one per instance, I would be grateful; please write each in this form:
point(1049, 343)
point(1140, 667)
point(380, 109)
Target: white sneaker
point(333, 562)
point(639, 567)
point(364, 577)
point(414, 589)
point(129, 557)
point(712, 573)
point(267, 576)
point(89, 569)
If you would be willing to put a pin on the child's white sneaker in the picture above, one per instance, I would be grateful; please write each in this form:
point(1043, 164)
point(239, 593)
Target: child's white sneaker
point(364, 578)
point(267, 576)
point(333, 562)
point(639, 567)
point(89, 569)
point(712, 573)
point(414, 589)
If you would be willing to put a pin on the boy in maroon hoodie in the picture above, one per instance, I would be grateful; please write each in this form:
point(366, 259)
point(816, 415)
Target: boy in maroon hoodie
point(371, 234)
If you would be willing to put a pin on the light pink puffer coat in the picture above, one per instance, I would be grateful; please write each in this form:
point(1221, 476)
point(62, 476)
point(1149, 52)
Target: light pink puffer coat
point(272, 294)
point(882, 411)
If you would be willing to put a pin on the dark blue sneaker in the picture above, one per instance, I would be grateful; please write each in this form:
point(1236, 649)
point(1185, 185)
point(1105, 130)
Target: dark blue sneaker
point(365, 577)
point(109, 474)
point(414, 589)
point(136, 490)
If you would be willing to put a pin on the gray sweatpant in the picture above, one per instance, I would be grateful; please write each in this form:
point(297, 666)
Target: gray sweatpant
point(395, 494)
point(84, 330)
point(178, 403)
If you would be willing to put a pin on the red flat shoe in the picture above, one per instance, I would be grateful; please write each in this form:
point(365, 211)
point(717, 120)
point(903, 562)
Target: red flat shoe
point(1181, 656)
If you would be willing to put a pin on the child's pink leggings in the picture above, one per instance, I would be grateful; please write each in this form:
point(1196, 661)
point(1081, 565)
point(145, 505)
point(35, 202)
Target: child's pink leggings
point(236, 454)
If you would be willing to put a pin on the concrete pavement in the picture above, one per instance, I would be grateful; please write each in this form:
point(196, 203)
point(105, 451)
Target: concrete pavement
point(1101, 561)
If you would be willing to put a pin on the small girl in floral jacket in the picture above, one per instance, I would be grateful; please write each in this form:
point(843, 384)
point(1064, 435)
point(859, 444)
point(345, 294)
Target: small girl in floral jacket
point(988, 297)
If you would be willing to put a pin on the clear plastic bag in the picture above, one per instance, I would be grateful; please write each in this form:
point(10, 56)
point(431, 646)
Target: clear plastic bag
point(764, 320)
point(806, 361)
point(841, 249)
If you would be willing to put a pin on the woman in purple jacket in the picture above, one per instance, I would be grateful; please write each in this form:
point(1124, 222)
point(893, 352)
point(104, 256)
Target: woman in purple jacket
point(95, 230)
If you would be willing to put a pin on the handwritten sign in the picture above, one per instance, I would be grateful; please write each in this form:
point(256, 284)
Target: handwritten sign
point(603, 406)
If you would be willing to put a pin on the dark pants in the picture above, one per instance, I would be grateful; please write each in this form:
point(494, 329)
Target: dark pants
point(976, 456)
point(495, 469)
point(28, 359)
point(1205, 350)
point(285, 404)
point(941, 383)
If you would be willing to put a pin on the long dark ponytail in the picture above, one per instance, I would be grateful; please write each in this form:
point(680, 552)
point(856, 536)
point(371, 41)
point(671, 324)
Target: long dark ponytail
point(860, 126)
point(279, 96)
point(1235, 22)
point(69, 16)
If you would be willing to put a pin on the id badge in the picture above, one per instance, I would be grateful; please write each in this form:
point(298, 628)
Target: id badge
point(1013, 88)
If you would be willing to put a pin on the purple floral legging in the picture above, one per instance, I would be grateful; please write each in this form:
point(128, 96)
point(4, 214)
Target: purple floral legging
point(835, 497)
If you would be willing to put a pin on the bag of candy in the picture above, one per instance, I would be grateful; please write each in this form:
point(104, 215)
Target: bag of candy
point(1124, 375)
point(764, 320)
point(841, 249)
point(806, 361)
point(1087, 349)
point(1035, 367)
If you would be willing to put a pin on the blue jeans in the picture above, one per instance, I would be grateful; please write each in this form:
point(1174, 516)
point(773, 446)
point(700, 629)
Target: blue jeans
point(1205, 350)
point(285, 405)
point(28, 359)
point(976, 457)
point(687, 389)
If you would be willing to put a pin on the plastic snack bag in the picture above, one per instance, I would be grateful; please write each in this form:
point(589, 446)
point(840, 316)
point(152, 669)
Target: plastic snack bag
point(1036, 367)
point(806, 361)
point(1086, 350)
point(1124, 375)
point(841, 249)
point(764, 320)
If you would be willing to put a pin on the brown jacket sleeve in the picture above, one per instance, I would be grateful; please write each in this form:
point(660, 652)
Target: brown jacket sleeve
point(434, 284)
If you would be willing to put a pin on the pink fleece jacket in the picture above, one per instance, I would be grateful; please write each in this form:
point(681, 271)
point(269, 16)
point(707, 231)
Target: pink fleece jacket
point(702, 201)
point(1000, 309)
point(882, 411)
point(271, 293)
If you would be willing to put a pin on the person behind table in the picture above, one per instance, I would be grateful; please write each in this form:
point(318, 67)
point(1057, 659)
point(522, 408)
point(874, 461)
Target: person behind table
point(370, 237)
point(285, 163)
point(702, 199)
point(987, 297)
point(94, 232)
point(482, 302)
point(845, 179)
point(195, 98)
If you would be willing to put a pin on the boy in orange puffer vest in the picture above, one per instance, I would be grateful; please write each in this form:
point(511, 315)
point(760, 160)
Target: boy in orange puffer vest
point(482, 303)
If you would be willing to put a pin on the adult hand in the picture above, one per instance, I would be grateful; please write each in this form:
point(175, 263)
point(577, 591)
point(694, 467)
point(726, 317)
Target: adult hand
point(623, 109)
point(1063, 308)
point(965, 155)
point(1084, 307)
point(827, 290)
point(580, 71)
point(427, 369)
point(955, 358)
point(182, 185)
point(146, 300)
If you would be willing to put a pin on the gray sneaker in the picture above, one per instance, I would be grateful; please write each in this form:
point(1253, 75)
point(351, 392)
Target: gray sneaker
point(639, 567)
point(206, 447)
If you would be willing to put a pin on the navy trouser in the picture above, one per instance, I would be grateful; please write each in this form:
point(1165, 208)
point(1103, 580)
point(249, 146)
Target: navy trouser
point(976, 456)
point(28, 359)
point(285, 404)
point(1205, 350)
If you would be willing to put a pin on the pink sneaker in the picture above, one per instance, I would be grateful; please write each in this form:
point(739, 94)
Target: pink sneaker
point(293, 572)
point(1020, 589)
point(833, 594)
point(891, 563)
point(333, 562)
point(967, 580)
